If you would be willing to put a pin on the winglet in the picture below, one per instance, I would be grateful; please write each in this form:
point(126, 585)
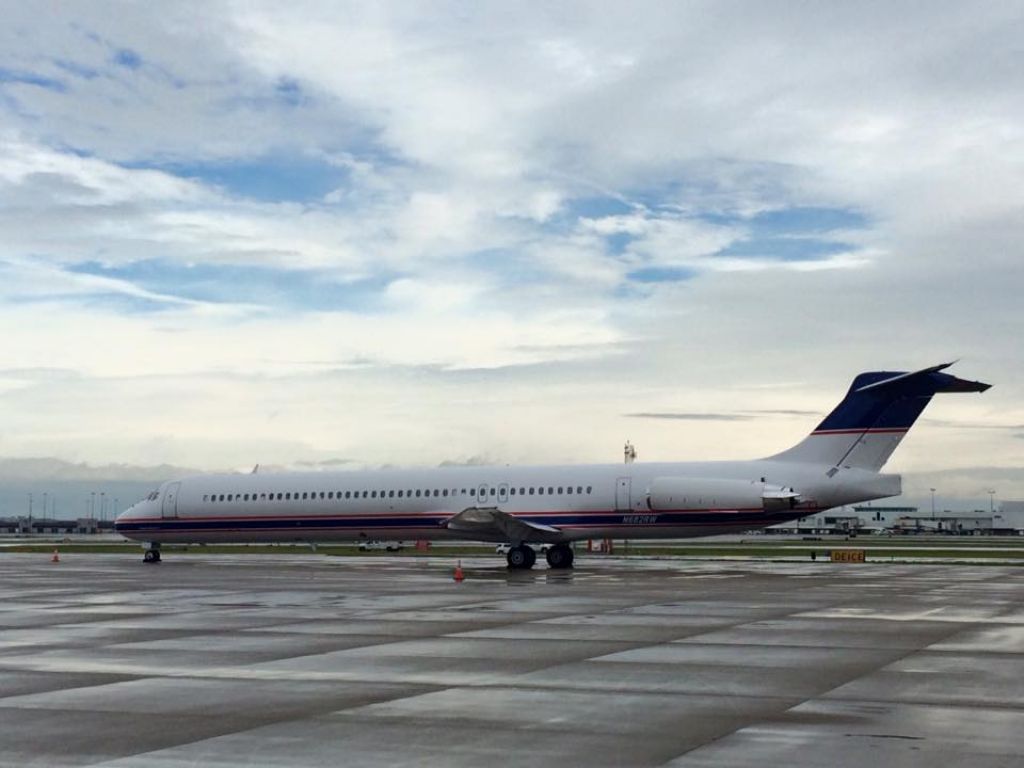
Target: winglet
point(902, 376)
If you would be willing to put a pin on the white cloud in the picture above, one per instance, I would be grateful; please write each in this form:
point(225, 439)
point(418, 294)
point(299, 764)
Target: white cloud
point(84, 181)
point(471, 144)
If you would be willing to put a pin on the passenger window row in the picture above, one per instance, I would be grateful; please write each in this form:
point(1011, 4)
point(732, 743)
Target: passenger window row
point(483, 493)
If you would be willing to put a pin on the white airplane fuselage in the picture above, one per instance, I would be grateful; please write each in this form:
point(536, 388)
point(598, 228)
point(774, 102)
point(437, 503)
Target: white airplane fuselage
point(581, 501)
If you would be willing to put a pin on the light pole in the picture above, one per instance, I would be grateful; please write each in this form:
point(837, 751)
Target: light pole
point(103, 504)
point(92, 504)
point(933, 502)
point(991, 502)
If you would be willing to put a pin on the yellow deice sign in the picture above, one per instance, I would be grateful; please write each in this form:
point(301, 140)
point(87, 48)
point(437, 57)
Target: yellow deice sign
point(847, 555)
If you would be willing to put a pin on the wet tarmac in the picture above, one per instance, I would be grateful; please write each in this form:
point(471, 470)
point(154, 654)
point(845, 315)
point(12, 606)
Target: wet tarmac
point(316, 661)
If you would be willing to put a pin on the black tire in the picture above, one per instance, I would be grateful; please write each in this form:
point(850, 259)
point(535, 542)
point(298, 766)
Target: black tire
point(560, 556)
point(531, 556)
point(149, 556)
point(519, 557)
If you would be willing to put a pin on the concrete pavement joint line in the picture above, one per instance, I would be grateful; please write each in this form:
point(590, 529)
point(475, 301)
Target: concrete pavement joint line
point(621, 664)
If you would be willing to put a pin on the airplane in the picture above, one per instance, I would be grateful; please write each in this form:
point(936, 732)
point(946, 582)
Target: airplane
point(838, 463)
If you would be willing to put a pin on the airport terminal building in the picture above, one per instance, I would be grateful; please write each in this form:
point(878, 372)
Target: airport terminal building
point(50, 526)
point(1007, 519)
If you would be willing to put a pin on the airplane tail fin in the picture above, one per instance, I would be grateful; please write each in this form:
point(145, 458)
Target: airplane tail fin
point(881, 406)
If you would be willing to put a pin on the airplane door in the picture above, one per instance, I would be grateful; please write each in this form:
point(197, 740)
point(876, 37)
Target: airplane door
point(622, 493)
point(170, 507)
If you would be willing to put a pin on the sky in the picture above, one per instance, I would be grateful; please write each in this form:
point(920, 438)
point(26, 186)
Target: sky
point(365, 234)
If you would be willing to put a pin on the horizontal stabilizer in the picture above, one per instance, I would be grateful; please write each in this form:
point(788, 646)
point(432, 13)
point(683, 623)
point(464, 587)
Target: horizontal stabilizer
point(943, 383)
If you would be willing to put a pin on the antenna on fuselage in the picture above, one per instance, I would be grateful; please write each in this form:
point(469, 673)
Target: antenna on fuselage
point(629, 452)
point(255, 469)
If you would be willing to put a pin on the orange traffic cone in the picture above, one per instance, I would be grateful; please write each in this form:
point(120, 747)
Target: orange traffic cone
point(458, 572)
point(56, 557)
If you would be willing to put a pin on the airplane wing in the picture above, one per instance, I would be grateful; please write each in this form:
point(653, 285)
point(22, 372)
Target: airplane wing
point(491, 523)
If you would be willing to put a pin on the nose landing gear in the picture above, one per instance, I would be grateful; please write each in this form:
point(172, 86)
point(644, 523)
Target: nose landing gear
point(151, 555)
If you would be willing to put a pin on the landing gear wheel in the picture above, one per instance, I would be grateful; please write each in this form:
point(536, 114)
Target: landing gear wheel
point(531, 556)
point(560, 556)
point(151, 556)
point(521, 557)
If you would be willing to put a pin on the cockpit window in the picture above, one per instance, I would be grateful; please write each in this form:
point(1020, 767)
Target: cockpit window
point(153, 495)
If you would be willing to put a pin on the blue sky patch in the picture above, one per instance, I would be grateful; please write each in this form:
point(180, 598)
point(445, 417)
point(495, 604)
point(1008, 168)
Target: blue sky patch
point(273, 178)
point(808, 220)
point(784, 248)
point(127, 58)
point(568, 217)
point(667, 193)
point(32, 78)
point(661, 274)
point(792, 234)
point(802, 220)
point(619, 241)
point(596, 207)
point(76, 69)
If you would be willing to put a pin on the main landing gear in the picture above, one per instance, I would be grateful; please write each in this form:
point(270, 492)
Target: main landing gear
point(523, 557)
point(560, 556)
point(151, 555)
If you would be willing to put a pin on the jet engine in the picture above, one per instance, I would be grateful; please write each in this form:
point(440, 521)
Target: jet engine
point(668, 493)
